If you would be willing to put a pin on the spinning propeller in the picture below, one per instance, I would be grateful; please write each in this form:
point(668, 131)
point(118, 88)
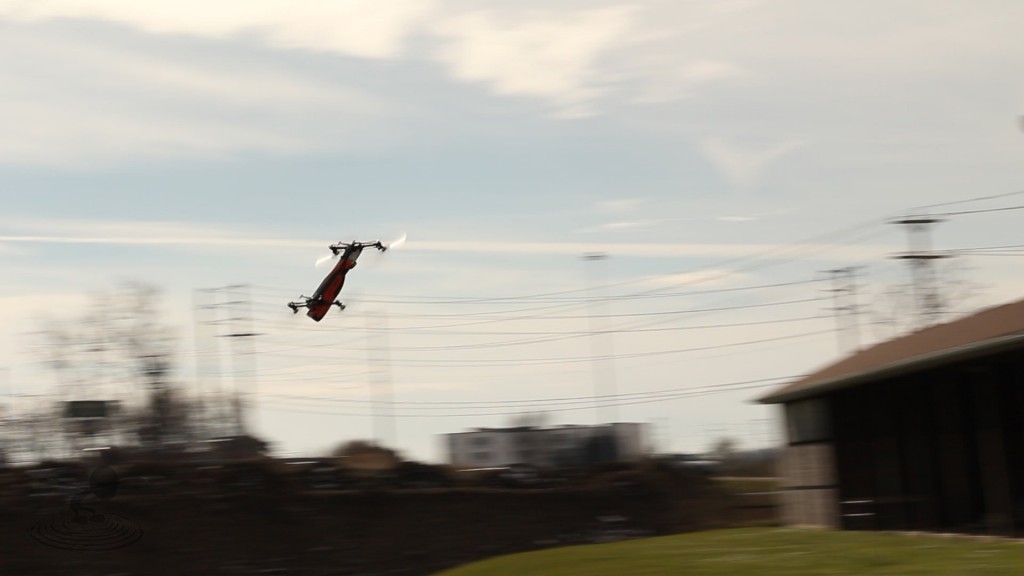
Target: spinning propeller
point(335, 255)
point(324, 259)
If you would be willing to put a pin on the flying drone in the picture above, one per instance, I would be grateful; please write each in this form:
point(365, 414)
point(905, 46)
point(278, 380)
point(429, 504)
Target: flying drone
point(326, 294)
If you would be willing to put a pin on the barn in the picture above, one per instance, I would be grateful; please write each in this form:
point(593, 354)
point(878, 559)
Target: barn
point(924, 432)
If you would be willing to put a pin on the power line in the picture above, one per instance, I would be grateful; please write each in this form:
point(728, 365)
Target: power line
point(498, 318)
point(968, 200)
point(982, 211)
point(453, 300)
point(755, 257)
point(553, 337)
point(1006, 253)
point(666, 398)
point(426, 363)
point(973, 248)
point(541, 401)
point(562, 336)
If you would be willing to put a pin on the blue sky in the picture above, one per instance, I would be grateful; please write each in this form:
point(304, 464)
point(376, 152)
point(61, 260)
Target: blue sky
point(196, 145)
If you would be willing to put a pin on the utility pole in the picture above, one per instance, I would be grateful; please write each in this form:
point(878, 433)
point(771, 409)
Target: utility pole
point(928, 302)
point(845, 307)
point(601, 343)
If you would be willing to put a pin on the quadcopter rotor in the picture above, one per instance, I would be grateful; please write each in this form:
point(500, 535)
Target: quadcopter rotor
point(324, 259)
point(396, 242)
point(384, 247)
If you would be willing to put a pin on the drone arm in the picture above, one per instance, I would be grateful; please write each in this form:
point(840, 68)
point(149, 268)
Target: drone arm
point(337, 248)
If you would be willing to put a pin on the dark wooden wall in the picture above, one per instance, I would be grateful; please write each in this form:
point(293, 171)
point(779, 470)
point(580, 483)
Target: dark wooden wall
point(941, 449)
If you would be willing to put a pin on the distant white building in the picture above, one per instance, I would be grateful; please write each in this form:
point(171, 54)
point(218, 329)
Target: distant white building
point(566, 445)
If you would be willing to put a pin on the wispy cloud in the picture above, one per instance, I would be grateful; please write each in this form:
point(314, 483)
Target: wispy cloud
point(364, 28)
point(151, 233)
point(652, 250)
point(743, 166)
point(619, 226)
point(710, 277)
point(178, 234)
point(683, 80)
point(164, 107)
point(619, 205)
point(552, 55)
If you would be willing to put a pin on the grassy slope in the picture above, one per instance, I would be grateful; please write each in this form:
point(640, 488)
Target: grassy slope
point(766, 552)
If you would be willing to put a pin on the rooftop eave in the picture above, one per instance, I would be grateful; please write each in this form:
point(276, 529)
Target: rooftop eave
point(991, 346)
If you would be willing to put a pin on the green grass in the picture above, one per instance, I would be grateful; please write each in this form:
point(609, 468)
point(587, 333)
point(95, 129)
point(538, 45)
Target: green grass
point(766, 552)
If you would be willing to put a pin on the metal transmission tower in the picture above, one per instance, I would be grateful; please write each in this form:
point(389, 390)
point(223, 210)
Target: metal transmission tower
point(929, 304)
point(215, 416)
point(206, 359)
point(378, 358)
point(226, 313)
point(601, 343)
point(845, 307)
point(243, 356)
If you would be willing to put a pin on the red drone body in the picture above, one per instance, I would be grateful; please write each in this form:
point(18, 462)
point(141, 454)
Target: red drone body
point(326, 294)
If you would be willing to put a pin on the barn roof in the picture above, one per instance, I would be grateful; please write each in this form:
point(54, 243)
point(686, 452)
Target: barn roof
point(988, 331)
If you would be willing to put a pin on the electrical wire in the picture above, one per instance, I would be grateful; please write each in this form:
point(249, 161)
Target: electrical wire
point(452, 300)
point(982, 211)
point(464, 362)
point(968, 200)
point(592, 406)
point(538, 402)
point(562, 336)
point(745, 258)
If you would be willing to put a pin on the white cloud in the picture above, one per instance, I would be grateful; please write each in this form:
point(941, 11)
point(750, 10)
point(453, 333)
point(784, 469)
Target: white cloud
point(568, 57)
point(550, 55)
point(363, 28)
point(743, 166)
point(712, 277)
point(653, 250)
point(620, 205)
point(616, 226)
point(703, 71)
point(625, 225)
point(64, 231)
point(684, 80)
point(103, 105)
point(181, 234)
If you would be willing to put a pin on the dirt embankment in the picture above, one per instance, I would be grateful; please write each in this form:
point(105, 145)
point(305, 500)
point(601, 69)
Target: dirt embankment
point(395, 531)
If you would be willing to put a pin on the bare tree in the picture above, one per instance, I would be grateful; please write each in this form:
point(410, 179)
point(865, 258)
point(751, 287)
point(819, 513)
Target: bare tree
point(364, 454)
point(724, 448)
point(120, 349)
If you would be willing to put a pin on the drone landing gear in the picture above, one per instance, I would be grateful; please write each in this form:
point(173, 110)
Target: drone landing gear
point(296, 305)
